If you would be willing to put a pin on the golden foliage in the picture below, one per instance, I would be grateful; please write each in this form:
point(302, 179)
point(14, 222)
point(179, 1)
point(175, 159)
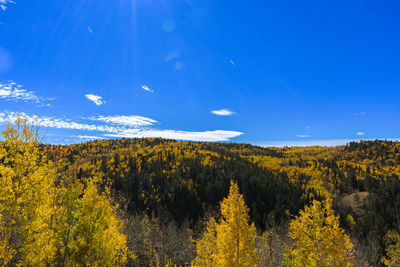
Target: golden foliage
point(98, 241)
point(42, 224)
point(318, 239)
point(27, 199)
point(206, 246)
point(231, 241)
point(392, 240)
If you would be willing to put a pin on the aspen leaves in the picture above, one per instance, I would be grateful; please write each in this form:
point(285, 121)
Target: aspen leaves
point(231, 241)
point(392, 241)
point(318, 239)
point(27, 199)
point(45, 224)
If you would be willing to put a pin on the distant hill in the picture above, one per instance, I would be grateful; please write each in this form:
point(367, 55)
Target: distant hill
point(185, 179)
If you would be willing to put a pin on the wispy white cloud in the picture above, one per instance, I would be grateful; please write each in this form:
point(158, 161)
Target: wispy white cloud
point(127, 127)
point(88, 137)
point(12, 91)
point(232, 62)
point(98, 100)
point(303, 135)
point(53, 122)
point(125, 120)
point(223, 112)
point(146, 88)
point(90, 29)
point(360, 113)
point(205, 136)
point(360, 133)
point(4, 3)
point(171, 56)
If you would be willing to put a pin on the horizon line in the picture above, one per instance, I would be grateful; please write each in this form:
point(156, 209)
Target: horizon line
point(323, 143)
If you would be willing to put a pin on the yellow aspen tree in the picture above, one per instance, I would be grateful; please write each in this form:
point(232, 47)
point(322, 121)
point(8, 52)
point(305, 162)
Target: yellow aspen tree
point(318, 239)
point(98, 240)
point(235, 236)
point(392, 241)
point(27, 199)
point(231, 242)
point(66, 228)
point(206, 246)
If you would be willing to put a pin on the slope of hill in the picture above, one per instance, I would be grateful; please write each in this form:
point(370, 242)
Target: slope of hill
point(185, 179)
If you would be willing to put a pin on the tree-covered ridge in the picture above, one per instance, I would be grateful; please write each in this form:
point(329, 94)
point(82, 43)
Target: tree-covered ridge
point(182, 178)
point(156, 202)
point(186, 179)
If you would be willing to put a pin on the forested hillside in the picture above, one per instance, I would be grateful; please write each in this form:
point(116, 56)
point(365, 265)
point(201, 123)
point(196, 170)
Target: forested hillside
point(157, 202)
point(180, 178)
point(185, 180)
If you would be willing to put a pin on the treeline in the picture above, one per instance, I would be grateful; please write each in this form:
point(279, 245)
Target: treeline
point(157, 202)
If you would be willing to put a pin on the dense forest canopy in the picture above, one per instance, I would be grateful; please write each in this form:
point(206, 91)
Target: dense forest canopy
point(184, 180)
point(160, 202)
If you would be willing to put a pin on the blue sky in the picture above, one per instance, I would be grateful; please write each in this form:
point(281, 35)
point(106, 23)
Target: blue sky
point(260, 72)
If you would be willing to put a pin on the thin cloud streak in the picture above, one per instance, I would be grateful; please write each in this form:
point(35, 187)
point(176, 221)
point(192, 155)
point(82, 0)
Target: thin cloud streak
point(3, 4)
point(303, 135)
point(146, 88)
point(98, 100)
point(126, 120)
point(52, 122)
point(223, 112)
point(11, 91)
point(172, 56)
point(360, 113)
point(88, 137)
point(123, 131)
point(205, 136)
